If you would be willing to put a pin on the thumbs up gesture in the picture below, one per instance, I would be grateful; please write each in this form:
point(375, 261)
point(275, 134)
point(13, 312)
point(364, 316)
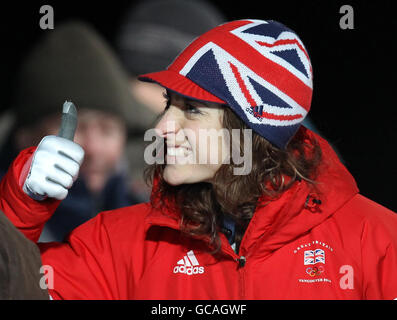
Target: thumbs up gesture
point(56, 162)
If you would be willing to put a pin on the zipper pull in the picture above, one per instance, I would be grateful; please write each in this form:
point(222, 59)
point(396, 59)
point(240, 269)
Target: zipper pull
point(241, 261)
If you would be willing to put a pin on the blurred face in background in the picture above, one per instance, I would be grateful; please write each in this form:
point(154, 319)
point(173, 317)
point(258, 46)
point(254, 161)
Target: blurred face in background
point(101, 135)
point(103, 138)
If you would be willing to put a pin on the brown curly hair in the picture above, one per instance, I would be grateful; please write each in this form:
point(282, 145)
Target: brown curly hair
point(236, 196)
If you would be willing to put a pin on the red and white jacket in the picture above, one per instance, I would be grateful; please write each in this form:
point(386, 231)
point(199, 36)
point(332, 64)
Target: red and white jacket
point(343, 248)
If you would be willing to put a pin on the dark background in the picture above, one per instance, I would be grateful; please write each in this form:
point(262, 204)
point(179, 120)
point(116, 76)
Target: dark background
point(354, 70)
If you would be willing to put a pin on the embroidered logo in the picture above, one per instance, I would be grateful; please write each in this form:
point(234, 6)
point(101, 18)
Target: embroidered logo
point(314, 271)
point(314, 256)
point(188, 265)
point(314, 261)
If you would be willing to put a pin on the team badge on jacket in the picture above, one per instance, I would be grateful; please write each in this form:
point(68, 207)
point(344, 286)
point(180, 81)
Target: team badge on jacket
point(314, 253)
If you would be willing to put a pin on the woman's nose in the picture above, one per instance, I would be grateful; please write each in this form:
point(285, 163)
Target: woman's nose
point(169, 124)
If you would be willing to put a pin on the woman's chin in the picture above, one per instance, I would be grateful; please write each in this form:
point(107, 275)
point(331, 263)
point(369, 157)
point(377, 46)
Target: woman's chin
point(174, 174)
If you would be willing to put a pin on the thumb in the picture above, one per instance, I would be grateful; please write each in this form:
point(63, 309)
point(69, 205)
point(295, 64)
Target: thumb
point(69, 121)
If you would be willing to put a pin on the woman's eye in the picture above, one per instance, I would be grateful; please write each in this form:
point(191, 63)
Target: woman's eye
point(192, 109)
point(167, 101)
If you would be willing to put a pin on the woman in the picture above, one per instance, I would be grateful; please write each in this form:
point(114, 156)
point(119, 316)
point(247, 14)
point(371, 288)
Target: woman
point(290, 225)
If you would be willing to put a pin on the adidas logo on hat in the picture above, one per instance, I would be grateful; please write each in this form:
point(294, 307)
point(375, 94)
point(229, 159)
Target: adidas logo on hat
point(189, 265)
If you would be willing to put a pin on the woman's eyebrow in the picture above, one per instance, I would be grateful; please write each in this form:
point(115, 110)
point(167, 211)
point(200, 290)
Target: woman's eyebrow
point(188, 100)
point(196, 101)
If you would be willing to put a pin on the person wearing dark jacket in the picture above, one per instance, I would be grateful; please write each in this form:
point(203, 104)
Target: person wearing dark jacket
point(246, 202)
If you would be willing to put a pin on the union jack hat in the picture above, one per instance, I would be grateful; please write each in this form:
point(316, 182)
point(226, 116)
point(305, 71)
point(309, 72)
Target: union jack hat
point(258, 68)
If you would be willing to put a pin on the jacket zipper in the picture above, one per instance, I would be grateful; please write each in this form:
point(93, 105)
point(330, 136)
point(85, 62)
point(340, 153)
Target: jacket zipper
point(241, 264)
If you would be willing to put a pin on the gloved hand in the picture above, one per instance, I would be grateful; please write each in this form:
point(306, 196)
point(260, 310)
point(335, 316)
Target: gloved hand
point(54, 168)
point(56, 162)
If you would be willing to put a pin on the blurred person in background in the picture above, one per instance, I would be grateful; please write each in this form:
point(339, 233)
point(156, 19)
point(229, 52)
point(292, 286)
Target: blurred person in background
point(151, 34)
point(74, 63)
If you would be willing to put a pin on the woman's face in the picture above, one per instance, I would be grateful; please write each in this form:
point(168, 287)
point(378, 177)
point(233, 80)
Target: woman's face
point(194, 138)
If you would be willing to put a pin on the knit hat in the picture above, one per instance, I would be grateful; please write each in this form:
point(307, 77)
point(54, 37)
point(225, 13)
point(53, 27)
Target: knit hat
point(154, 32)
point(258, 68)
point(71, 62)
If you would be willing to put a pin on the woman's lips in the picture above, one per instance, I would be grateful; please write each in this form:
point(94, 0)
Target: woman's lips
point(178, 149)
point(177, 153)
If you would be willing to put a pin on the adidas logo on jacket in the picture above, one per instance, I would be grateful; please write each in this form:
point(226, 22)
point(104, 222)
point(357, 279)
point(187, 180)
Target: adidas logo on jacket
point(189, 265)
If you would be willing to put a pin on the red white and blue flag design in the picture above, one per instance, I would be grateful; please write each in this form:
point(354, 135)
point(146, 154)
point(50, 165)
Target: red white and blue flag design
point(259, 68)
point(314, 256)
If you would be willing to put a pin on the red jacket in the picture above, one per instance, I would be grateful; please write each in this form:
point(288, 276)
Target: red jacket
point(344, 248)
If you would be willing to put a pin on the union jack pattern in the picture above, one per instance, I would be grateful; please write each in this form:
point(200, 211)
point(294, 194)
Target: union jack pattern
point(260, 69)
point(314, 256)
point(281, 45)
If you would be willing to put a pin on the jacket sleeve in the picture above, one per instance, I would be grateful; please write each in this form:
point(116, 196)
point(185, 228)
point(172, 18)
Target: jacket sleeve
point(83, 267)
point(26, 214)
point(379, 255)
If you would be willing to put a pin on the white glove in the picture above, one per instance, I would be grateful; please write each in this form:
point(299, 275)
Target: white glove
point(55, 166)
